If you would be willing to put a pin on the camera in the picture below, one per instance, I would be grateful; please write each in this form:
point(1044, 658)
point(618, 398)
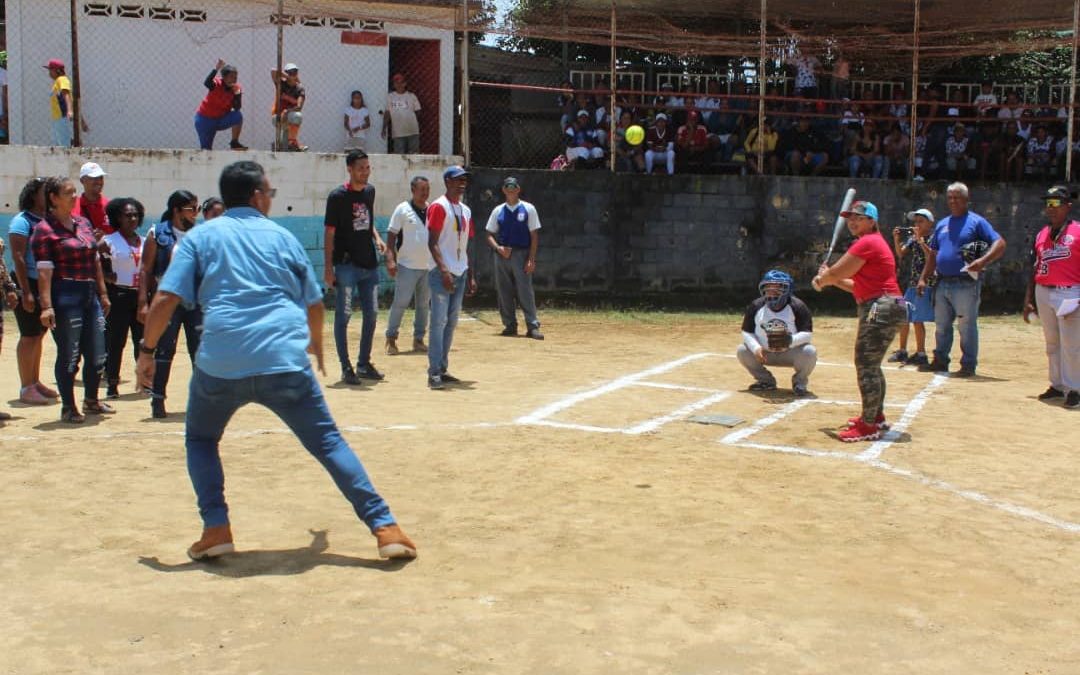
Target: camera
point(906, 231)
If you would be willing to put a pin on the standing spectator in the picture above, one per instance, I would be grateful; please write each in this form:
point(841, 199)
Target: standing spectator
point(900, 110)
point(807, 67)
point(866, 157)
point(121, 268)
point(896, 147)
point(220, 108)
point(1041, 159)
point(452, 278)
point(158, 250)
point(582, 145)
point(868, 271)
point(259, 291)
point(91, 203)
point(959, 268)
point(400, 121)
point(288, 110)
point(408, 262)
point(74, 302)
point(692, 142)
point(911, 248)
point(660, 144)
point(565, 103)
point(1012, 108)
point(986, 102)
point(803, 149)
point(11, 299)
point(1055, 282)
point(841, 78)
point(357, 122)
point(28, 312)
point(958, 152)
point(212, 208)
point(352, 264)
point(777, 311)
point(61, 106)
point(768, 139)
point(513, 232)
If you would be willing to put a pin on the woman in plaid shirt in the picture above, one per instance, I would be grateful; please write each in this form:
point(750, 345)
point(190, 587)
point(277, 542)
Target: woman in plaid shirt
point(74, 301)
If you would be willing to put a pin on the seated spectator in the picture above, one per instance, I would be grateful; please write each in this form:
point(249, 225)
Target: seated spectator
point(565, 103)
point(776, 109)
point(896, 147)
point(926, 164)
point(900, 110)
point(768, 140)
point(957, 109)
point(288, 111)
point(986, 102)
point(1041, 157)
point(692, 142)
point(989, 146)
point(582, 146)
point(803, 149)
point(866, 157)
point(725, 130)
point(1012, 108)
point(1012, 146)
point(677, 107)
point(958, 152)
point(1024, 124)
point(660, 145)
point(627, 157)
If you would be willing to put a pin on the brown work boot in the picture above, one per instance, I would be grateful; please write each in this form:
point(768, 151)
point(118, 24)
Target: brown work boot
point(216, 540)
point(391, 346)
point(419, 346)
point(393, 543)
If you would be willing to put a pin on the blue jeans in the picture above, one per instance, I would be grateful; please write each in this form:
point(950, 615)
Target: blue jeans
point(445, 308)
point(191, 320)
point(350, 279)
point(80, 332)
point(207, 127)
point(298, 401)
point(875, 164)
point(407, 284)
point(957, 298)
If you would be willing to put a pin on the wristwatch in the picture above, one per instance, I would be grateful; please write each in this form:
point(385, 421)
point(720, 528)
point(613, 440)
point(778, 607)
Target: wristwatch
point(143, 349)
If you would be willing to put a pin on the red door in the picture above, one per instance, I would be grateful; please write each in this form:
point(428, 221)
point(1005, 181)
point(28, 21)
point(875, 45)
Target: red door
point(418, 61)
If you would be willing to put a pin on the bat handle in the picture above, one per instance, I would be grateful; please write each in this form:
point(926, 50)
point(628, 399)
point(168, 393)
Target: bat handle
point(815, 284)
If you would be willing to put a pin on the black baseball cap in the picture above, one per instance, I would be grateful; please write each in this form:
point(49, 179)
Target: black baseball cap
point(1060, 192)
point(511, 182)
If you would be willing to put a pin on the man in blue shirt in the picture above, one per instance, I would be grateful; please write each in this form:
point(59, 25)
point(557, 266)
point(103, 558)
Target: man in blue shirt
point(965, 243)
point(513, 232)
point(263, 312)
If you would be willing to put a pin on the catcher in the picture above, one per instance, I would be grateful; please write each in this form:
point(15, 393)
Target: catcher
point(776, 331)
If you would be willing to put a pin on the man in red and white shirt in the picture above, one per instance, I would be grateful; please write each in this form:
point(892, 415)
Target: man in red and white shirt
point(450, 227)
point(1054, 294)
point(91, 203)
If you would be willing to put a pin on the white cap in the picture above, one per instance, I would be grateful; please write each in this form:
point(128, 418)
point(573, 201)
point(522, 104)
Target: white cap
point(925, 213)
point(291, 66)
point(660, 116)
point(91, 170)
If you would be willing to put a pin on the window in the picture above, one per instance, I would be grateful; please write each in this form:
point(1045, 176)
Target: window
point(162, 13)
point(194, 15)
point(129, 11)
point(97, 9)
point(311, 21)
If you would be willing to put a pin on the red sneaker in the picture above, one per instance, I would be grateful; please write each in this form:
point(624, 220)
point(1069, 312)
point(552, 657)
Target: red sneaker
point(879, 421)
point(860, 431)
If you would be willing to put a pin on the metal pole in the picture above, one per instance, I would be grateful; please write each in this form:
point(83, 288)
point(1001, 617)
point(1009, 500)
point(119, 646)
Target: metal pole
point(611, 85)
point(280, 64)
point(76, 85)
point(761, 94)
point(1072, 91)
point(914, 93)
point(465, 141)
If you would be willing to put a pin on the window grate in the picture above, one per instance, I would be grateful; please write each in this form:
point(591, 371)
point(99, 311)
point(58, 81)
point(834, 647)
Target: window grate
point(312, 21)
point(193, 15)
point(130, 11)
point(97, 9)
point(162, 13)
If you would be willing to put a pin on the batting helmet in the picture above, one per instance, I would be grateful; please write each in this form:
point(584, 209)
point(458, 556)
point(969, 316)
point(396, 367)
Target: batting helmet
point(974, 250)
point(784, 280)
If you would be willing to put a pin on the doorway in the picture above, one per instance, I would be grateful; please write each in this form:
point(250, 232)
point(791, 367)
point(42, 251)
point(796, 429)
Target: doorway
point(418, 61)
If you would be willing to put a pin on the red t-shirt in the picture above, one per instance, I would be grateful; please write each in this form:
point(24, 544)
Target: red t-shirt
point(877, 277)
point(219, 100)
point(94, 212)
point(697, 141)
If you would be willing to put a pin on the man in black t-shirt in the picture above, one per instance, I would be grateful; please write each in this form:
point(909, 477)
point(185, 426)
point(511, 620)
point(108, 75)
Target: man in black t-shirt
point(351, 263)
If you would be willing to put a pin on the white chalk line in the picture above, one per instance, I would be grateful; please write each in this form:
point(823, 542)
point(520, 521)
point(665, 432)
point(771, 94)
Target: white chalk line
point(676, 387)
point(911, 411)
point(657, 422)
point(736, 436)
point(838, 365)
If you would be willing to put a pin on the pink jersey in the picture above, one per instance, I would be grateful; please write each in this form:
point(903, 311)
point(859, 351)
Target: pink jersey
point(1057, 261)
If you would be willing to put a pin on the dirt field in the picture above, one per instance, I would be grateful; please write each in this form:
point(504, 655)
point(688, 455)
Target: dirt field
point(569, 520)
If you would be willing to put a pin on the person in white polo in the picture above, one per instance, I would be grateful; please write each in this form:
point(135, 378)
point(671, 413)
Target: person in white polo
point(408, 261)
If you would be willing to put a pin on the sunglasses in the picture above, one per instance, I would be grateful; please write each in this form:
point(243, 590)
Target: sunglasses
point(271, 193)
point(1054, 203)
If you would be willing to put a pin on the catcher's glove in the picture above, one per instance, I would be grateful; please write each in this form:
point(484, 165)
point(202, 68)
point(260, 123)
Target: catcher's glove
point(779, 337)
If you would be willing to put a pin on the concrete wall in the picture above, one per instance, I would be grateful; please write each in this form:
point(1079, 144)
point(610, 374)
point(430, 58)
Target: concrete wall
point(303, 180)
point(142, 78)
point(690, 240)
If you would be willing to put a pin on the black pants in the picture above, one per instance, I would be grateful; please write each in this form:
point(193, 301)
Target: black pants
point(122, 319)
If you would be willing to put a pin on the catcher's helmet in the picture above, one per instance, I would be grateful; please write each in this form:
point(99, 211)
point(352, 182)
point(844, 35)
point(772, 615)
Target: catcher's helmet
point(974, 250)
point(784, 280)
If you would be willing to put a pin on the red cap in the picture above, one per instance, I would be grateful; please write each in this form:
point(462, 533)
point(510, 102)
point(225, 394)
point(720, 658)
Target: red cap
point(54, 63)
point(695, 115)
point(398, 77)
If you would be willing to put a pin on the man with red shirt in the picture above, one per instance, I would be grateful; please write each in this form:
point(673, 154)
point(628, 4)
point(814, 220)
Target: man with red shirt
point(91, 203)
point(450, 226)
point(220, 109)
point(692, 140)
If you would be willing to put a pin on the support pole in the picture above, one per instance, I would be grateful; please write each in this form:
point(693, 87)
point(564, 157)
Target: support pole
point(466, 149)
point(611, 85)
point(914, 117)
point(1072, 92)
point(279, 123)
point(761, 93)
point(76, 79)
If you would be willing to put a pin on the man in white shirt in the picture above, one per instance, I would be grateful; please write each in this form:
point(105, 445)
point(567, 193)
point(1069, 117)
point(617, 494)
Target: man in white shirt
point(400, 122)
point(513, 233)
point(408, 262)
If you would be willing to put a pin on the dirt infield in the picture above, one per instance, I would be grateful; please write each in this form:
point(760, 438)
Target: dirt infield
point(569, 520)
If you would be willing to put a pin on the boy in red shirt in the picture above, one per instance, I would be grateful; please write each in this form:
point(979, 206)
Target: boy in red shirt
point(220, 109)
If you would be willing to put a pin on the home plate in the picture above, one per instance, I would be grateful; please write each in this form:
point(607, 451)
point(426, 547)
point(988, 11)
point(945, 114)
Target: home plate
point(723, 420)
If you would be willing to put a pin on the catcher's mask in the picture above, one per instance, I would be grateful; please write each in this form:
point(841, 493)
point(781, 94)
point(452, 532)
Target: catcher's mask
point(974, 250)
point(776, 279)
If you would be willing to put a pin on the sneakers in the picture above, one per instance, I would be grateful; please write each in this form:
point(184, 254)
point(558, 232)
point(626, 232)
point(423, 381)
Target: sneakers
point(1072, 401)
point(762, 386)
point(32, 396)
point(419, 346)
point(449, 379)
point(535, 334)
point(917, 359)
point(216, 541)
point(899, 356)
point(1051, 394)
point(509, 331)
point(934, 366)
point(860, 431)
point(71, 416)
point(98, 408)
point(113, 392)
point(879, 421)
point(800, 391)
point(965, 371)
point(348, 376)
point(46, 392)
point(296, 147)
point(391, 347)
point(237, 145)
point(393, 543)
point(435, 382)
point(157, 408)
point(368, 372)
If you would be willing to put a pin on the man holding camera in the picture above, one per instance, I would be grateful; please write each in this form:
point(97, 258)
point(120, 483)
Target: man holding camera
point(911, 248)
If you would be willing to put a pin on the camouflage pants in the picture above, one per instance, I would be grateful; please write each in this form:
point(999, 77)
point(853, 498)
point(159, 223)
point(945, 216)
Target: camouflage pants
point(879, 320)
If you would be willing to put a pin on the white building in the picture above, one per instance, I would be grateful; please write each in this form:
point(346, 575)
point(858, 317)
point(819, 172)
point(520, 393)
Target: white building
point(142, 64)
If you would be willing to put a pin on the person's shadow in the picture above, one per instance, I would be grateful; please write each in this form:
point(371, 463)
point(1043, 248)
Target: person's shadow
point(282, 562)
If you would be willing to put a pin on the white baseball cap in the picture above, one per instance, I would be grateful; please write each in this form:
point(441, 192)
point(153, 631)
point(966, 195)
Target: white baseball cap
point(91, 170)
point(291, 66)
point(925, 213)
